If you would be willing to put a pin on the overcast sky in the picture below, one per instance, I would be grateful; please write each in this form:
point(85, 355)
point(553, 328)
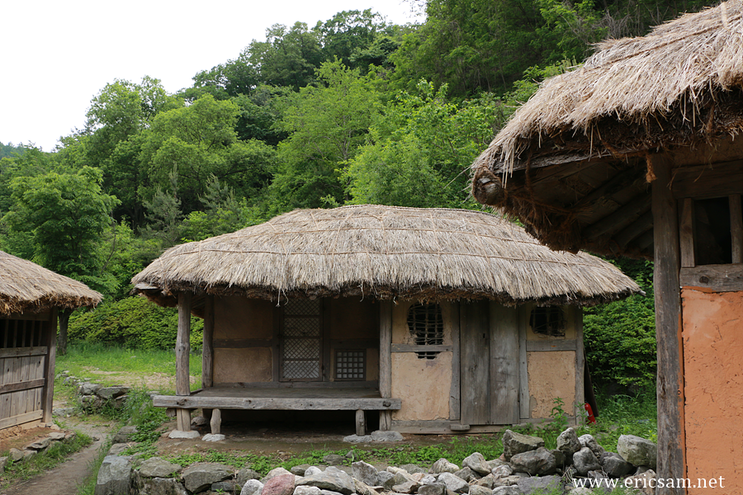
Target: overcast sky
point(58, 54)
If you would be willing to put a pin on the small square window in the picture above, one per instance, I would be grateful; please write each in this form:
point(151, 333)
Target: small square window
point(350, 364)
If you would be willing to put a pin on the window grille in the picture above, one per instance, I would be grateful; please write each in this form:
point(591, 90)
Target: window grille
point(350, 364)
point(426, 324)
point(301, 342)
point(548, 320)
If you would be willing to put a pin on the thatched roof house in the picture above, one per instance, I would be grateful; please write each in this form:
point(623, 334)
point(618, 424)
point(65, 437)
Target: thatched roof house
point(295, 300)
point(26, 287)
point(30, 296)
point(637, 153)
point(385, 252)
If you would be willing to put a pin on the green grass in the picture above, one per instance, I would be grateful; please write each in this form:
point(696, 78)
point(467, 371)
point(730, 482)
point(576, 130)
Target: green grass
point(42, 462)
point(83, 357)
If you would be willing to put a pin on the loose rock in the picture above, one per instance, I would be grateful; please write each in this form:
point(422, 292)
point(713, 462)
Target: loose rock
point(480, 490)
point(453, 483)
point(124, 435)
point(386, 436)
point(365, 472)
point(246, 474)
point(155, 467)
point(637, 451)
point(254, 487)
point(162, 486)
point(432, 489)
point(585, 461)
point(331, 479)
point(516, 443)
point(282, 484)
point(201, 475)
point(546, 483)
point(535, 462)
point(615, 466)
point(506, 490)
point(114, 476)
point(477, 463)
point(444, 466)
point(568, 443)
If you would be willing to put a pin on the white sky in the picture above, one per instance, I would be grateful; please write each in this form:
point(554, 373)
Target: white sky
point(58, 54)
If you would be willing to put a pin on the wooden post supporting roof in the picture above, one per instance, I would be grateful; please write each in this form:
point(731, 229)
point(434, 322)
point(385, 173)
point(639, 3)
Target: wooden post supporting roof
point(671, 437)
point(182, 351)
point(385, 360)
point(47, 400)
point(207, 355)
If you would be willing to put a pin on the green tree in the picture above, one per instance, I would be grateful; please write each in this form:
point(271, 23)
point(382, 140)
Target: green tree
point(57, 220)
point(326, 126)
point(348, 33)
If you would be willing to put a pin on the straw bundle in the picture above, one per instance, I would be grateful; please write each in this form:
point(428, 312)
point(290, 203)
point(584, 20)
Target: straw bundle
point(28, 287)
point(384, 252)
point(679, 85)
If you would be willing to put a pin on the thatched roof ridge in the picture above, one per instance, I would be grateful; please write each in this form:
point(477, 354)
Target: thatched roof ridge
point(28, 287)
point(384, 252)
point(682, 71)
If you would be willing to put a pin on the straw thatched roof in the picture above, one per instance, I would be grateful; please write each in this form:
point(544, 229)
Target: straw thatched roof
point(383, 252)
point(28, 287)
point(678, 88)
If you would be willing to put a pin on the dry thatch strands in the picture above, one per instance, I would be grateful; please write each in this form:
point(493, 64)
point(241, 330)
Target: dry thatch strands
point(28, 287)
point(384, 252)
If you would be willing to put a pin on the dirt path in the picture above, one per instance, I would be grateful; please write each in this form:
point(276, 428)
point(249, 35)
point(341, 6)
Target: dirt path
point(66, 478)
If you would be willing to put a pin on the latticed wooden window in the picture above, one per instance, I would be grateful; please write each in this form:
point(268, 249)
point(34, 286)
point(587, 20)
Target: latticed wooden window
point(426, 324)
point(548, 320)
point(301, 341)
point(350, 364)
point(23, 333)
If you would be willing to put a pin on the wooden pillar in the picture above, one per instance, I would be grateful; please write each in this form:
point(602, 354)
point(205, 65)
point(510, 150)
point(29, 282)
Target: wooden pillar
point(736, 227)
point(360, 422)
point(385, 360)
point(182, 351)
point(207, 354)
point(580, 365)
point(47, 399)
point(671, 437)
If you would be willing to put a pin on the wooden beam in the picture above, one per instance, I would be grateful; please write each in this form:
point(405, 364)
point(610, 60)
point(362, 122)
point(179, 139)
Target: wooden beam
point(635, 229)
point(709, 180)
point(454, 391)
point(686, 233)
point(524, 409)
point(41, 350)
point(182, 352)
point(21, 419)
point(736, 227)
point(619, 182)
point(385, 360)
point(277, 404)
point(718, 278)
point(18, 386)
point(47, 400)
point(551, 345)
point(207, 350)
point(620, 218)
point(670, 385)
point(420, 348)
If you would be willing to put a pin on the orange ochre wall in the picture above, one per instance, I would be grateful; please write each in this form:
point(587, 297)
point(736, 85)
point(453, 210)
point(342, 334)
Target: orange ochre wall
point(713, 370)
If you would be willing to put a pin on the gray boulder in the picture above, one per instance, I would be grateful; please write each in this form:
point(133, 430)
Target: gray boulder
point(477, 463)
point(467, 474)
point(444, 466)
point(480, 490)
point(303, 490)
point(39, 445)
point(3, 463)
point(537, 462)
point(410, 486)
point(124, 435)
point(568, 443)
point(246, 474)
point(615, 466)
point(545, 483)
point(312, 470)
point(585, 461)
point(413, 468)
point(224, 487)
point(507, 480)
point(333, 460)
point(502, 470)
point(255, 487)
point(486, 481)
point(273, 473)
point(432, 489)
point(299, 470)
point(516, 443)
point(114, 476)
point(560, 457)
point(161, 486)
point(362, 488)
point(506, 490)
point(642, 482)
point(155, 467)
point(386, 436)
point(453, 483)
point(332, 479)
point(200, 476)
point(638, 451)
point(386, 480)
point(88, 388)
point(591, 443)
point(366, 473)
point(108, 393)
point(357, 439)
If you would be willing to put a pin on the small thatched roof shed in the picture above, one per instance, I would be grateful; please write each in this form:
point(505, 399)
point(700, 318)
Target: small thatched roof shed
point(28, 287)
point(384, 252)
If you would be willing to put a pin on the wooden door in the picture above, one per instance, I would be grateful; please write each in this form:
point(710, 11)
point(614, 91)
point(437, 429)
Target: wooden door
point(301, 341)
point(489, 350)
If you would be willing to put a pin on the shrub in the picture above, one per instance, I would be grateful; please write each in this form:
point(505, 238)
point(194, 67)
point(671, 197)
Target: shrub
point(133, 322)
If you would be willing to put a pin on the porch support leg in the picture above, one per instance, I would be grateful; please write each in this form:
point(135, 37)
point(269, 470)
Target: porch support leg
point(385, 361)
point(360, 423)
point(48, 391)
point(182, 351)
point(216, 422)
point(207, 356)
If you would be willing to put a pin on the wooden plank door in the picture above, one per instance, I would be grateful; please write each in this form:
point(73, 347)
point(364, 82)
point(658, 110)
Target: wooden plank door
point(489, 347)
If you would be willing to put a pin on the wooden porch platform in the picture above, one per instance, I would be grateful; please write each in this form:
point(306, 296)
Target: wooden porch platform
point(282, 399)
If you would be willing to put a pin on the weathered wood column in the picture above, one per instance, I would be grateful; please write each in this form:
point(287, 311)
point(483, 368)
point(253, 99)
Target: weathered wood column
point(580, 365)
point(182, 352)
point(670, 391)
point(47, 399)
point(207, 353)
point(385, 360)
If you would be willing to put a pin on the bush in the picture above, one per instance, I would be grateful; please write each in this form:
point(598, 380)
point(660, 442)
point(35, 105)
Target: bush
point(134, 322)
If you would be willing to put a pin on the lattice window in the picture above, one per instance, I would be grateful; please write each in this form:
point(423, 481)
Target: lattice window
point(426, 324)
point(350, 364)
point(301, 343)
point(23, 333)
point(548, 320)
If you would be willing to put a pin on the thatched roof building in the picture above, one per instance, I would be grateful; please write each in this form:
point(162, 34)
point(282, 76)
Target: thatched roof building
point(638, 153)
point(384, 252)
point(680, 87)
point(28, 287)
